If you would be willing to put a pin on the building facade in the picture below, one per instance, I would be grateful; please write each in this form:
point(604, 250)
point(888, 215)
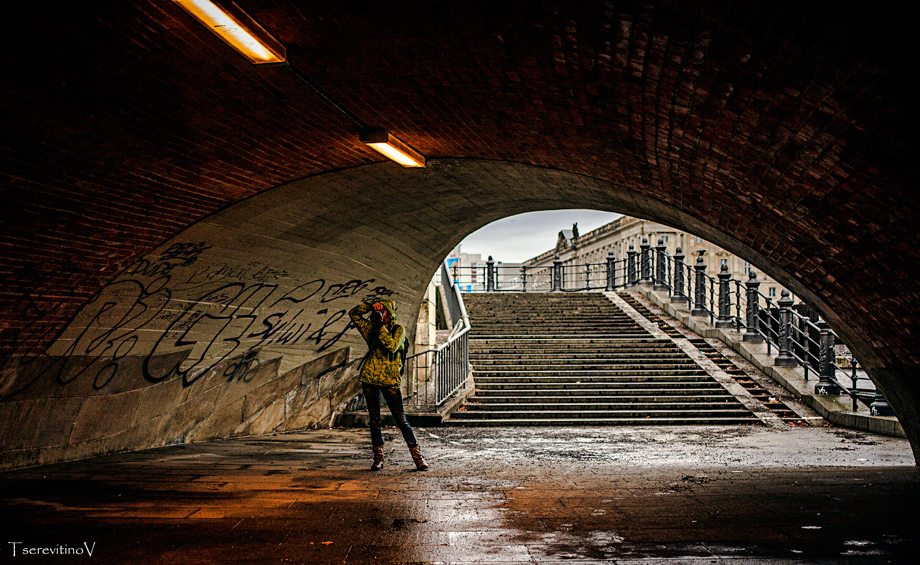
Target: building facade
point(619, 235)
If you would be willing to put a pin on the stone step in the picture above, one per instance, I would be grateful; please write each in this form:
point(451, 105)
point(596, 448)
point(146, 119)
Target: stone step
point(561, 421)
point(572, 336)
point(539, 367)
point(621, 387)
point(507, 320)
point(676, 406)
point(558, 361)
point(481, 359)
point(536, 395)
point(569, 340)
point(740, 413)
point(507, 317)
point(486, 333)
point(588, 357)
point(490, 375)
point(572, 346)
point(565, 369)
point(558, 326)
point(549, 322)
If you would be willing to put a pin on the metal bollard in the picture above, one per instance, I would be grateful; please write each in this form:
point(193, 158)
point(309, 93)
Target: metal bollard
point(785, 358)
point(752, 312)
point(631, 279)
point(725, 303)
point(699, 294)
point(826, 384)
point(611, 272)
point(490, 275)
point(645, 263)
point(660, 268)
point(557, 274)
point(679, 296)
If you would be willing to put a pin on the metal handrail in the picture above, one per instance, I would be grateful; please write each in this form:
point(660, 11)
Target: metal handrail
point(450, 361)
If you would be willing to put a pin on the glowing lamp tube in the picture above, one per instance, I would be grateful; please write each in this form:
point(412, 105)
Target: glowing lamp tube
point(386, 144)
point(230, 23)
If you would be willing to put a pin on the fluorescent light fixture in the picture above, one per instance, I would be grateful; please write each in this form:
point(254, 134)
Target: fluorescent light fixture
point(386, 144)
point(230, 23)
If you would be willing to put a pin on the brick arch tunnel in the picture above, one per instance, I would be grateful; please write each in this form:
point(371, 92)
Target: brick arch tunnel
point(148, 168)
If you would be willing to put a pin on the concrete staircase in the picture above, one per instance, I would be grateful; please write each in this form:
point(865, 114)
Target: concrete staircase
point(578, 359)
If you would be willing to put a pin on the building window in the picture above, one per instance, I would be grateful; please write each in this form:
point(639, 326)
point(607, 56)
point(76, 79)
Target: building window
point(772, 292)
point(747, 268)
point(665, 239)
point(724, 263)
point(699, 240)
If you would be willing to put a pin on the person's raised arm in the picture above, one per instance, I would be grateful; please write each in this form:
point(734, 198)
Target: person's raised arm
point(391, 341)
point(357, 318)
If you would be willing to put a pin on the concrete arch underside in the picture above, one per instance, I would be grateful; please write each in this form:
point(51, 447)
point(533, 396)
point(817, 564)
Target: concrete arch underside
point(261, 289)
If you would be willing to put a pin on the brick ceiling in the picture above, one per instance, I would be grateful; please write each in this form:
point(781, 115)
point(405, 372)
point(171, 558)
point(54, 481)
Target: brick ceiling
point(789, 125)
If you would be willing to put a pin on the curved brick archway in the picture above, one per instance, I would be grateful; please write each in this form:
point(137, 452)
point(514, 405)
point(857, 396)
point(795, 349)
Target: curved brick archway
point(785, 135)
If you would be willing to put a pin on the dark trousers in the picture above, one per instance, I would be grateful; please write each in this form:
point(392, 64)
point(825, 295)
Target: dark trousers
point(393, 397)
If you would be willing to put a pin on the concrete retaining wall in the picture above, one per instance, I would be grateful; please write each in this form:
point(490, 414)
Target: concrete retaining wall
point(39, 429)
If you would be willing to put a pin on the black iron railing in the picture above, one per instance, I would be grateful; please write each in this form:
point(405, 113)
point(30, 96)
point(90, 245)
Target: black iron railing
point(557, 277)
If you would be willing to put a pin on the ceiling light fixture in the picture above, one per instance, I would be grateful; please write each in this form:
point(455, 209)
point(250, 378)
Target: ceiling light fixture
point(230, 23)
point(387, 145)
point(234, 26)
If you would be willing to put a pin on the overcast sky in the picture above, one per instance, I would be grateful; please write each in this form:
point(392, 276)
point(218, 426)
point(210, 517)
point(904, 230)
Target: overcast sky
point(518, 238)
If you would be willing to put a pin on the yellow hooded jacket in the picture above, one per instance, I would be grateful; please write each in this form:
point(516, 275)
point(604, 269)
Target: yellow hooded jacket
point(383, 363)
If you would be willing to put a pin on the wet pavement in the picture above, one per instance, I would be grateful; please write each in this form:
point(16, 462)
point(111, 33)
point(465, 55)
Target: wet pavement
point(701, 494)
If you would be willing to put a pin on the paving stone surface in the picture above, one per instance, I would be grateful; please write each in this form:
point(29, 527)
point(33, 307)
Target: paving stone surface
point(704, 494)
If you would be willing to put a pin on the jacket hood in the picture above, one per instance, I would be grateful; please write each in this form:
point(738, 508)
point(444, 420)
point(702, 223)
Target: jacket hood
point(389, 306)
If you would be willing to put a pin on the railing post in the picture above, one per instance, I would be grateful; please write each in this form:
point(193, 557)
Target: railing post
point(785, 359)
point(631, 279)
point(660, 269)
point(725, 301)
point(853, 379)
point(678, 295)
point(455, 274)
point(699, 293)
point(752, 311)
point(645, 263)
point(879, 406)
point(490, 275)
point(557, 274)
point(524, 278)
point(826, 383)
point(611, 272)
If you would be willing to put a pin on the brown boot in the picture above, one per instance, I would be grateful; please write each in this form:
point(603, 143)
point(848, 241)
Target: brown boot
point(420, 464)
point(378, 459)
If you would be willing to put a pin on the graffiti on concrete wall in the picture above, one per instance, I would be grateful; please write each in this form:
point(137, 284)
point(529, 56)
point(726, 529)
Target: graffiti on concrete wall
point(217, 312)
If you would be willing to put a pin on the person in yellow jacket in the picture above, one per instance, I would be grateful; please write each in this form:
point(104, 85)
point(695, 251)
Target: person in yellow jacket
point(380, 374)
